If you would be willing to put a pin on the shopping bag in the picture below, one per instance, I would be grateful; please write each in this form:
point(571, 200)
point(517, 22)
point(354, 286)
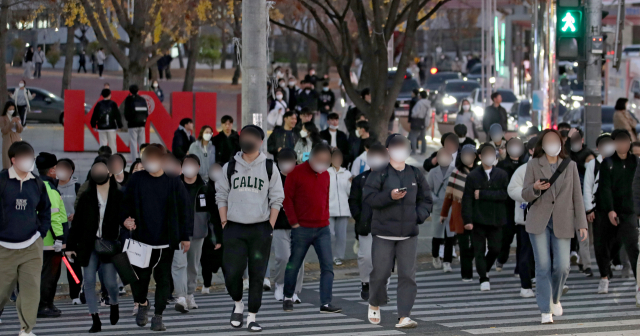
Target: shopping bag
point(123, 267)
point(139, 253)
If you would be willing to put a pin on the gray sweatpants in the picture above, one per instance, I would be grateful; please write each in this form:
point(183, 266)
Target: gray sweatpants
point(364, 257)
point(184, 269)
point(281, 245)
point(338, 227)
point(585, 253)
point(136, 138)
point(383, 253)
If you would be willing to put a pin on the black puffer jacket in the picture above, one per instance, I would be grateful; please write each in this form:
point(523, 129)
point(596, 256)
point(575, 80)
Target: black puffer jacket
point(397, 218)
point(360, 211)
point(490, 207)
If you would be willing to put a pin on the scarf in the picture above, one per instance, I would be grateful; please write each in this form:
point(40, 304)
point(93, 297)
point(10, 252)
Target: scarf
point(455, 187)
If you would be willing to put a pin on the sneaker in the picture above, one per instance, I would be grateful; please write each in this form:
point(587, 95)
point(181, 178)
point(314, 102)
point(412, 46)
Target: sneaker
point(141, 316)
point(135, 309)
point(104, 301)
point(54, 308)
point(533, 280)
point(603, 287)
point(337, 261)
point(266, 284)
point(527, 293)
point(296, 299)
point(485, 286)
point(588, 272)
point(547, 319)
point(287, 305)
point(617, 267)
point(406, 323)
point(279, 292)
point(122, 291)
point(191, 302)
point(205, 290)
point(499, 267)
point(181, 305)
point(47, 312)
point(626, 272)
point(556, 309)
point(565, 289)
point(329, 308)
point(172, 300)
point(575, 258)
point(156, 323)
point(437, 262)
point(467, 280)
point(364, 291)
point(245, 284)
point(24, 333)
point(76, 301)
point(446, 267)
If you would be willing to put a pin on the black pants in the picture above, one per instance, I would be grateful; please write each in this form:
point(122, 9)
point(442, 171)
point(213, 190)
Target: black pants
point(526, 262)
point(162, 260)
point(448, 247)
point(38, 70)
point(22, 110)
point(100, 69)
point(246, 243)
point(81, 66)
point(74, 288)
point(211, 261)
point(466, 254)
point(484, 235)
point(508, 231)
point(605, 235)
point(49, 277)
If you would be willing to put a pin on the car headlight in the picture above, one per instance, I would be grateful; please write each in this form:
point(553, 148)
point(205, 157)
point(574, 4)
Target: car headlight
point(524, 129)
point(478, 111)
point(577, 98)
point(492, 80)
point(576, 104)
point(448, 100)
point(563, 97)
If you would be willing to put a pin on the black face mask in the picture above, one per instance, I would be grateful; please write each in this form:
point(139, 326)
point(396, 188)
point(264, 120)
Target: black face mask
point(100, 179)
point(248, 146)
point(564, 133)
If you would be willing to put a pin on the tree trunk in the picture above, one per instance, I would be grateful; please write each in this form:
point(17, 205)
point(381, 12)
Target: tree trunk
point(4, 19)
point(190, 74)
point(292, 50)
point(137, 69)
point(180, 60)
point(223, 53)
point(69, 51)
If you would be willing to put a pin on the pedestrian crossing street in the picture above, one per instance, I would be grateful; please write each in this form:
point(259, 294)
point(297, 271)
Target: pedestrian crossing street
point(449, 306)
point(212, 317)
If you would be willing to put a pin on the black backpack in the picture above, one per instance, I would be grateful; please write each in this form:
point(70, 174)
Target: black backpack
point(104, 115)
point(140, 110)
point(231, 169)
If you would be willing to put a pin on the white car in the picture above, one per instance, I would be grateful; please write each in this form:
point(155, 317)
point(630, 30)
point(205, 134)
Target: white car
point(478, 104)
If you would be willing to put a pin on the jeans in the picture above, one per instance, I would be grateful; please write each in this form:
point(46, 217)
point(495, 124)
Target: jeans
point(365, 266)
point(160, 267)
point(484, 236)
point(109, 279)
point(136, 138)
point(108, 138)
point(550, 279)
point(38, 71)
point(301, 239)
point(525, 258)
point(281, 246)
point(184, 270)
point(466, 254)
point(338, 227)
point(323, 121)
point(414, 137)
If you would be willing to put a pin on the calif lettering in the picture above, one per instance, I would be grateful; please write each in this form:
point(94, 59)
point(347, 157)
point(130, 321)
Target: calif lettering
point(246, 182)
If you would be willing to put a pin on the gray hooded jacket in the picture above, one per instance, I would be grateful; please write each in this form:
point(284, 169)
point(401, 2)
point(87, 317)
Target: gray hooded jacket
point(68, 194)
point(251, 196)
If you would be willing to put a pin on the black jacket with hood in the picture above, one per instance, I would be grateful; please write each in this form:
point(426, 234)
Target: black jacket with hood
point(490, 207)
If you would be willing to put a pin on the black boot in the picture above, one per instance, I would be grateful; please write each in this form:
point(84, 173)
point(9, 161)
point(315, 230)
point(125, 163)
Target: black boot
point(115, 314)
point(97, 325)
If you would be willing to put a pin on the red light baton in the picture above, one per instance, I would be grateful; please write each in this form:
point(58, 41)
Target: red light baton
point(66, 262)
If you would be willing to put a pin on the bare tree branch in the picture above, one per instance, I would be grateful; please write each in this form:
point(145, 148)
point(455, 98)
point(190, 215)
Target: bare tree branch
point(432, 11)
point(390, 26)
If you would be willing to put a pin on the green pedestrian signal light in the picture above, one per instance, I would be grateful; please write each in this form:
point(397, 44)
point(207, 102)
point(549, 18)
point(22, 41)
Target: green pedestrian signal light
point(569, 23)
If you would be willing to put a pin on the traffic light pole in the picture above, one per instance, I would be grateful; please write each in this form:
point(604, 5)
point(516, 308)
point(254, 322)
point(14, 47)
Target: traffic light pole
point(593, 76)
point(254, 64)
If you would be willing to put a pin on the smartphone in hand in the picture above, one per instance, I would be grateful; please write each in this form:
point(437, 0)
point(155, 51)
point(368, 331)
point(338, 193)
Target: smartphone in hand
point(544, 180)
point(402, 189)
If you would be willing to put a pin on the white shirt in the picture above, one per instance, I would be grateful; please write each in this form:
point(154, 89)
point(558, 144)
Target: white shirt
point(334, 136)
point(102, 206)
point(590, 183)
point(488, 172)
point(30, 241)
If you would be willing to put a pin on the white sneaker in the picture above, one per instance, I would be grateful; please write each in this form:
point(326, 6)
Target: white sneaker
point(437, 262)
point(76, 301)
point(337, 261)
point(565, 289)
point(23, 333)
point(485, 286)
point(446, 267)
point(547, 318)
point(617, 267)
point(467, 280)
point(266, 284)
point(279, 292)
point(603, 287)
point(205, 290)
point(556, 309)
point(527, 293)
point(135, 309)
point(122, 291)
point(245, 284)
point(296, 299)
point(191, 302)
point(181, 305)
point(575, 258)
point(533, 280)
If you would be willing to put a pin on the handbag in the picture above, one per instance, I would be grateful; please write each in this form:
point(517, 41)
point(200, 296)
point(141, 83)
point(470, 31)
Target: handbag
point(107, 248)
point(553, 179)
point(139, 253)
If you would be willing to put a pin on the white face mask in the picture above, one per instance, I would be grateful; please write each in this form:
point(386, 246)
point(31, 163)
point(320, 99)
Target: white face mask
point(488, 160)
point(26, 165)
point(207, 136)
point(189, 171)
point(461, 140)
point(10, 112)
point(287, 167)
point(279, 97)
point(303, 134)
point(466, 107)
point(319, 167)
point(307, 91)
point(608, 150)
point(399, 154)
point(282, 84)
point(155, 85)
point(515, 151)
point(21, 85)
point(376, 162)
point(325, 89)
point(333, 127)
point(444, 160)
point(552, 149)
point(151, 167)
point(292, 83)
point(357, 133)
point(62, 175)
point(576, 147)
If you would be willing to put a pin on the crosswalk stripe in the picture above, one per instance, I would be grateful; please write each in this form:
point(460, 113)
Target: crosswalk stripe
point(534, 311)
point(606, 333)
point(537, 319)
point(368, 333)
point(544, 327)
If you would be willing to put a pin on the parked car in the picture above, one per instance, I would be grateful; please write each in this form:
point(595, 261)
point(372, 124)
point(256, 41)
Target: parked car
point(404, 97)
point(46, 107)
point(576, 118)
point(436, 80)
point(451, 93)
point(520, 116)
point(475, 73)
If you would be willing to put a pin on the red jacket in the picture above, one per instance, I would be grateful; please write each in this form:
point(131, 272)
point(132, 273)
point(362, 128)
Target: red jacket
point(306, 197)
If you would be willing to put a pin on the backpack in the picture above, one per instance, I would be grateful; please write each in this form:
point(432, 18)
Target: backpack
point(140, 110)
point(231, 169)
point(104, 112)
